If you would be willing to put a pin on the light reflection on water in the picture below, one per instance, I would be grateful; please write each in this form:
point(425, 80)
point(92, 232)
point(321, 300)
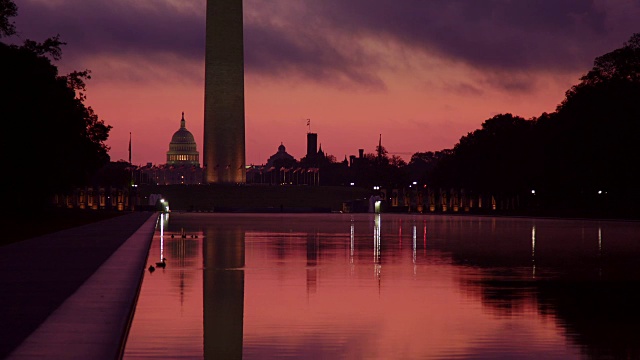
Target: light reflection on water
point(442, 287)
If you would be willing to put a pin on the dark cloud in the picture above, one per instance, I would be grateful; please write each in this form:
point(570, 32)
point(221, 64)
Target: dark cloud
point(327, 41)
point(522, 34)
point(93, 27)
point(274, 52)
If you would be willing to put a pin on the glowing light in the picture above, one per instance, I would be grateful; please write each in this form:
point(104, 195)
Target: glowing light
point(415, 236)
point(415, 183)
point(376, 238)
point(352, 184)
point(533, 192)
point(533, 241)
point(599, 239)
point(352, 239)
point(533, 251)
point(161, 248)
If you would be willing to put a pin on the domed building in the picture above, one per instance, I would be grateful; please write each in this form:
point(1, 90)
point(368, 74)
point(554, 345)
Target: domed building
point(182, 148)
point(183, 162)
point(281, 158)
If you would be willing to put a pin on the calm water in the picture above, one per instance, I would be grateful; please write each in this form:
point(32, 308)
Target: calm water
point(364, 286)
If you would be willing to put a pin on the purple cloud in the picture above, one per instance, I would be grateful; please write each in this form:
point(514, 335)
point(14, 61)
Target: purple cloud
point(324, 41)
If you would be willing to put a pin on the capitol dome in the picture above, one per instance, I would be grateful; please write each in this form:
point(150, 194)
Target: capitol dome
point(183, 136)
point(182, 149)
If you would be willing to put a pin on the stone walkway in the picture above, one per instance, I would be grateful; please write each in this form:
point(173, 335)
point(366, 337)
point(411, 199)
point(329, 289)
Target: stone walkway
point(71, 294)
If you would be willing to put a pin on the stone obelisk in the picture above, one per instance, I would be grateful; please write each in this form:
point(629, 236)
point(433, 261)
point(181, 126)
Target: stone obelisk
point(224, 144)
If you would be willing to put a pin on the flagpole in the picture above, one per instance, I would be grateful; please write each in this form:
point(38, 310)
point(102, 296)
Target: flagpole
point(132, 182)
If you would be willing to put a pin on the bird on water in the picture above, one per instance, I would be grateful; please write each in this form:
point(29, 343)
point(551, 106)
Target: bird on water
point(162, 264)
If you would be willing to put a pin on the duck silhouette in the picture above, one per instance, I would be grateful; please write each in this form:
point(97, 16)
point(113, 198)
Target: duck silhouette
point(151, 268)
point(162, 264)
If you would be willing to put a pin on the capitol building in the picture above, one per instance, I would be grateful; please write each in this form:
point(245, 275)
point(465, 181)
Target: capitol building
point(182, 166)
point(182, 148)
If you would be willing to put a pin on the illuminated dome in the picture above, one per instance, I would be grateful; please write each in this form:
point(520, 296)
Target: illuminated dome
point(182, 149)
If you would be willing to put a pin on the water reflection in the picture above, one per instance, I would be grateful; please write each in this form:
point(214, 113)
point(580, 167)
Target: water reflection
point(168, 317)
point(533, 251)
point(301, 286)
point(224, 258)
point(313, 250)
point(599, 239)
point(377, 266)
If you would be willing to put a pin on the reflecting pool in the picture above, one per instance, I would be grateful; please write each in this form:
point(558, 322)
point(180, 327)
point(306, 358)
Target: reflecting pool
point(388, 286)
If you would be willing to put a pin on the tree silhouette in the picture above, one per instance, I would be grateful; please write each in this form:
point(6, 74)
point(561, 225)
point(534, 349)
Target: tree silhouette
point(492, 159)
point(596, 127)
point(57, 142)
point(574, 156)
point(8, 9)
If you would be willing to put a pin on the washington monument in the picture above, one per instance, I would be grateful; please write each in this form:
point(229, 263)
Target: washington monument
point(224, 144)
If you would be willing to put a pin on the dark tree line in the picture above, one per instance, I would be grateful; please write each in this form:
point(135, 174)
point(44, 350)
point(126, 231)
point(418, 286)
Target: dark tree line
point(583, 154)
point(52, 140)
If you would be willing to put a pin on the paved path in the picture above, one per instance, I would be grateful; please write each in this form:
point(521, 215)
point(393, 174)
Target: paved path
point(70, 295)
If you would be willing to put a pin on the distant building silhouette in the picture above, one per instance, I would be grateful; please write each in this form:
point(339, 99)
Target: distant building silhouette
point(282, 169)
point(320, 153)
point(312, 144)
point(312, 148)
point(183, 164)
point(281, 158)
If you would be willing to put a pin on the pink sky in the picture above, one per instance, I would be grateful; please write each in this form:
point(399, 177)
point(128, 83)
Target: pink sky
point(422, 75)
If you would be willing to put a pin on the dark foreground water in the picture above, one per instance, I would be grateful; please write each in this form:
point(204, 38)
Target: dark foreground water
point(364, 286)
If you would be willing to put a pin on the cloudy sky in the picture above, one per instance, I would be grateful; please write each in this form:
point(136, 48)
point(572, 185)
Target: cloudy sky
point(422, 73)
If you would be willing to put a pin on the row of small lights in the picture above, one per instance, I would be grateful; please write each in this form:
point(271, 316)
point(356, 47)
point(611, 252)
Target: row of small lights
point(600, 192)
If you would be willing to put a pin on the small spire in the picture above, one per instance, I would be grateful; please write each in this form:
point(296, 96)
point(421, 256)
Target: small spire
point(182, 122)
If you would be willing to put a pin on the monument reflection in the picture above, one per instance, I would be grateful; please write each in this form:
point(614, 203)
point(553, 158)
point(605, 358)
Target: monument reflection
point(223, 294)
